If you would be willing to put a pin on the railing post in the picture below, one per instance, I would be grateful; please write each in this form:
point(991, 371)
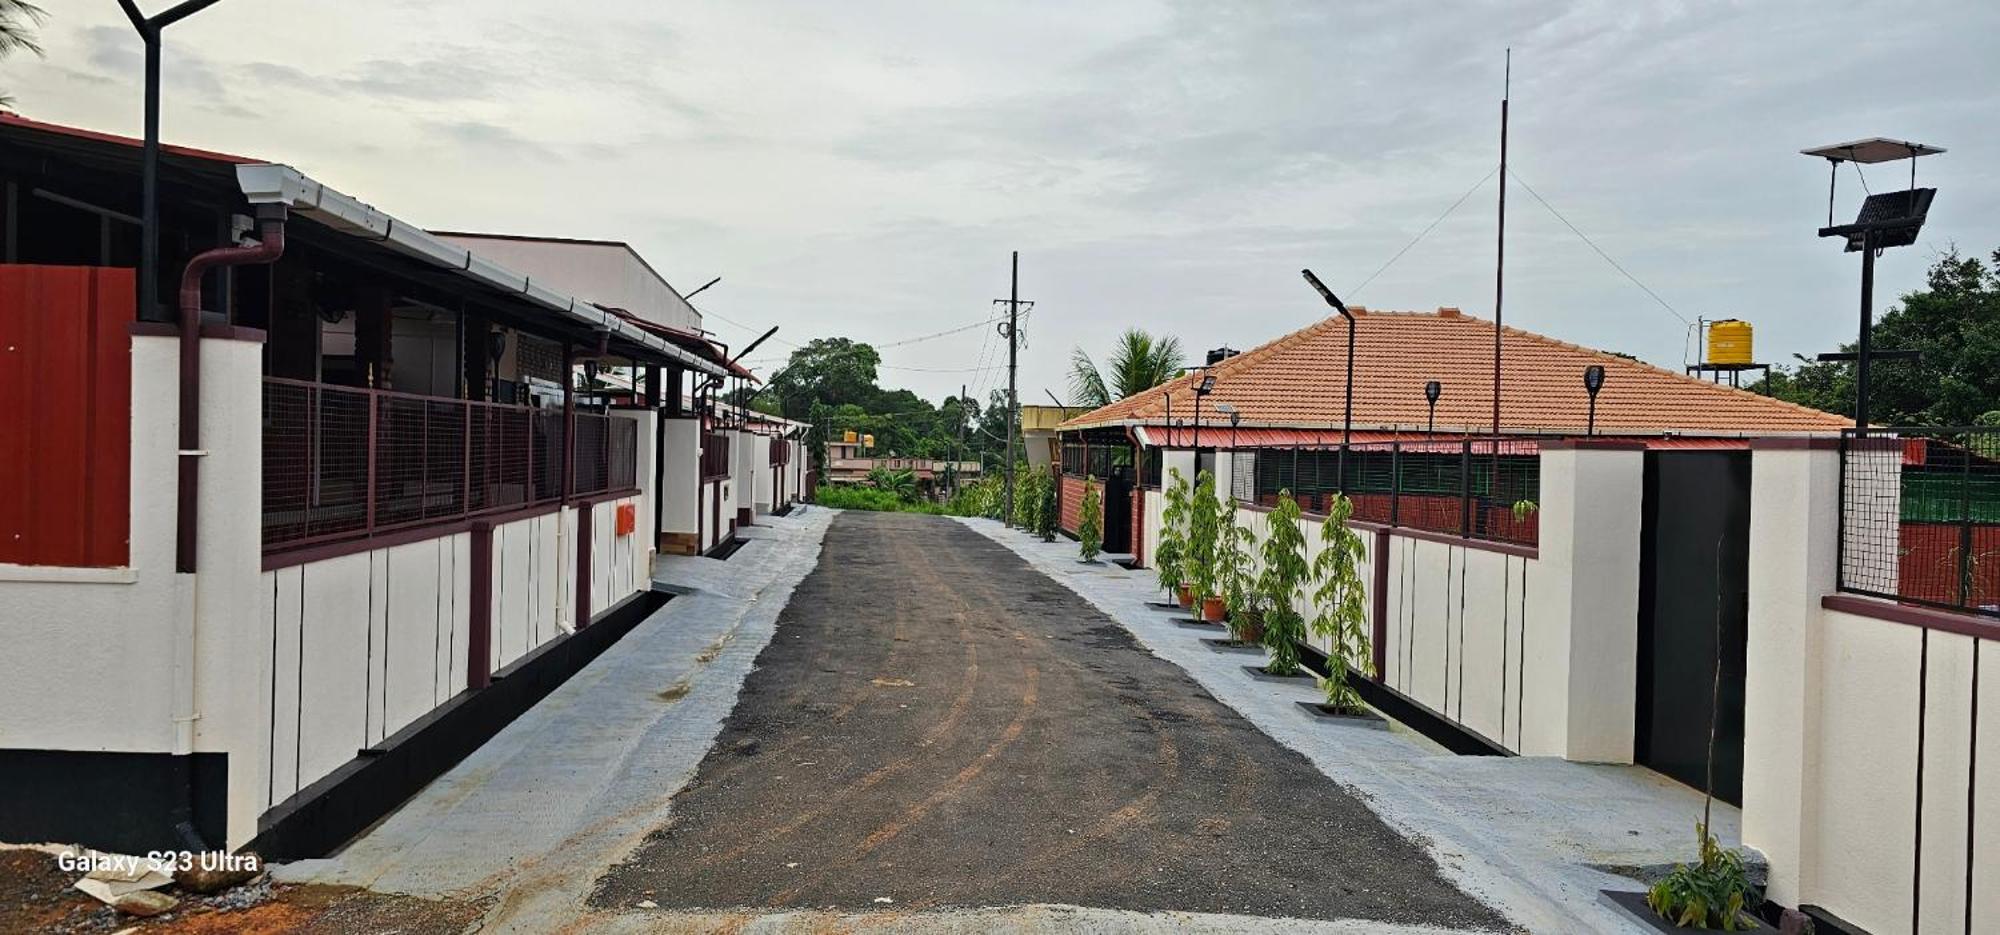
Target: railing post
point(1966, 568)
point(1840, 518)
point(583, 537)
point(479, 616)
point(465, 460)
point(1395, 483)
point(1465, 489)
point(374, 451)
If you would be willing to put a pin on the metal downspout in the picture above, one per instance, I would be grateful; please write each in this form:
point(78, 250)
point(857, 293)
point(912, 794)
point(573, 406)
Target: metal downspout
point(271, 230)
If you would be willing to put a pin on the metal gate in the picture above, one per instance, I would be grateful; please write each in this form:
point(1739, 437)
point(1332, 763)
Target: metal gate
point(1118, 511)
point(1693, 595)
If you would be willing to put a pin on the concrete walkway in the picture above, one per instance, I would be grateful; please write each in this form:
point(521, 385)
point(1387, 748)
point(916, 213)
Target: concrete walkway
point(571, 787)
point(1524, 834)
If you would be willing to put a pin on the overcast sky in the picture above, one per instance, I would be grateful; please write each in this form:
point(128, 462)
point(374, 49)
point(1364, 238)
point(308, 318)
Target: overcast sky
point(863, 168)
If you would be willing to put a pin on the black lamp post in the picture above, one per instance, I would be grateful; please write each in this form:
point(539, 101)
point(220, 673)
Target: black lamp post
point(1234, 418)
point(1347, 420)
point(1432, 391)
point(1207, 386)
point(1593, 380)
point(149, 29)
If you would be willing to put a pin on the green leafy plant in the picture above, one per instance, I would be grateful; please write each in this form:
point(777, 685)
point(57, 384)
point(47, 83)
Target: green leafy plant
point(1280, 584)
point(1051, 512)
point(1204, 533)
point(1170, 553)
point(1341, 605)
point(856, 497)
point(900, 483)
point(1090, 524)
point(1712, 894)
point(1525, 508)
point(1236, 569)
point(1028, 499)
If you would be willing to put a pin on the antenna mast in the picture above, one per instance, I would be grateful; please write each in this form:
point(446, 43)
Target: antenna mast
point(1500, 254)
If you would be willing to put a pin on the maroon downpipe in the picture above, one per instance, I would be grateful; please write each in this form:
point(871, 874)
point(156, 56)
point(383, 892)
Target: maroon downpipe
point(479, 617)
point(583, 562)
point(271, 231)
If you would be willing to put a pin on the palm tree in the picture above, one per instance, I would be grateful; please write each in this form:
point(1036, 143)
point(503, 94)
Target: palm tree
point(1138, 363)
point(17, 21)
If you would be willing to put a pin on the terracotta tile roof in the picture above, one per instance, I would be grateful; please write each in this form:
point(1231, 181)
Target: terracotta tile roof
point(1297, 381)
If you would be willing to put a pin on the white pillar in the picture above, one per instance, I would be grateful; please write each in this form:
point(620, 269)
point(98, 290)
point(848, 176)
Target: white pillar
point(1794, 522)
point(1590, 526)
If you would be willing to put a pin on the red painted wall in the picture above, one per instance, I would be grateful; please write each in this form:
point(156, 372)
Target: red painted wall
point(65, 415)
point(1072, 503)
point(1929, 566)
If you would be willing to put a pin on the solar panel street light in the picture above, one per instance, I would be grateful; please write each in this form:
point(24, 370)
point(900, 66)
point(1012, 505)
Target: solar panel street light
point(1889, 219)
point(1593, 380)
point(1347, 420)
point(1432, 390)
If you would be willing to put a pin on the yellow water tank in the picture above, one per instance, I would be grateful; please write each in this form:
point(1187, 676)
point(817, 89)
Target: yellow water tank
point(867, 441)
point(850, 436)
point(1729, 342)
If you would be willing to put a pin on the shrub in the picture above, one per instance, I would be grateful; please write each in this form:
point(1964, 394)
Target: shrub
point(900, 483)
point(1090, 524)
point(1285, 574)
point(848, 497)
point(1170, 553)
point(1051, 511)
point(1711, 894)
point(1341, 605)
point(1235, 569)
point(1203, 535)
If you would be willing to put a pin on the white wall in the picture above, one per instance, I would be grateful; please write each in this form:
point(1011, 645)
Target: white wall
point(743, 472)
point(1536, 652)
point(681, 452)
point(1834, 705)
point(762, 479)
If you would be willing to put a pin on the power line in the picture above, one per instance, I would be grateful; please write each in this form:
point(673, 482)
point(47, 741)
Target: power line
point(1600, 251)
point(940, 334)
point(1351, 293)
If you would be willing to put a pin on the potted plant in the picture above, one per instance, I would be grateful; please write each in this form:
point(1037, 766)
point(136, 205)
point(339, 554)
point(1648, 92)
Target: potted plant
point(1280, 584)
point(1236, 566)
point(1090, 522)
point(1340, 604)
point(1169, 554)
point(1203, 536)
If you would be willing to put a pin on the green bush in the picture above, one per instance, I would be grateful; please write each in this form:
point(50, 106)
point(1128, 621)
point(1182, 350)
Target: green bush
point(1050, 514)
point(1285, 575)
point(1712, 894)
point(1341, 602)
point(846, 497)
point(1090, 524)
point(1170, 554)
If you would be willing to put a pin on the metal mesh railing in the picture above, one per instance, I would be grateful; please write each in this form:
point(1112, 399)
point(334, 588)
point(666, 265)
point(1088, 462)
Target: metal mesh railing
point(341, 462)
point(1920, 516)
point(1477, 488)
point(714, 455)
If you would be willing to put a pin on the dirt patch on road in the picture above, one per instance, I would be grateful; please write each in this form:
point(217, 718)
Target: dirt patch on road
point(37, 896)
point(936, 724)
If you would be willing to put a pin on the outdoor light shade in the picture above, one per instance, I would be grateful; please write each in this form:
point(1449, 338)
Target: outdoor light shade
point(1206, 386)
point(1432, 391)
point(1593, 378)
point(1326, 293)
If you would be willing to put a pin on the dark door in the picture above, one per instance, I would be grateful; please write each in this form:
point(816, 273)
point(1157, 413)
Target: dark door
point(1693, 602)
point(1118, 511)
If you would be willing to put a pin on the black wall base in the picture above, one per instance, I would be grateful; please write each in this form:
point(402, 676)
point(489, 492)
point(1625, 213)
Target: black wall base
point(1448, 734)
point(118, 802)
point(325, 815)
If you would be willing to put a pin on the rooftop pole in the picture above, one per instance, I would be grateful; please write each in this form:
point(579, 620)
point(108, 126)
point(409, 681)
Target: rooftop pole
point(149, 29)
point(1500, 252)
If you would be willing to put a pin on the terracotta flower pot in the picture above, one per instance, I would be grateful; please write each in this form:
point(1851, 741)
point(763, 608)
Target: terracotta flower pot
point(1250, 627)
point(1213, 609)
point(1185, 595)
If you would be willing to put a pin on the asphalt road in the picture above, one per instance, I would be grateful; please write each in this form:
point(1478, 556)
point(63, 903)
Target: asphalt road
point(936, 724)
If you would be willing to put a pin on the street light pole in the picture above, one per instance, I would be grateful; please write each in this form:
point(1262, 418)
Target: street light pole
point(149, 29)
point(1347, 420)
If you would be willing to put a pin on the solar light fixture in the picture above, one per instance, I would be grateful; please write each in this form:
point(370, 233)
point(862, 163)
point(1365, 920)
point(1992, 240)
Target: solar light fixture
point(1889, 219)
point(1206, 386)
point(1432, 390)
point(1593, 380)
point(1347, 420)
point(1202, 388)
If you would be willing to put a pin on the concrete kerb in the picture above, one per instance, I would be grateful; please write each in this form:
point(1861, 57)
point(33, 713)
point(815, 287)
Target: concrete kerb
point(1524, 834)
point(573, 785)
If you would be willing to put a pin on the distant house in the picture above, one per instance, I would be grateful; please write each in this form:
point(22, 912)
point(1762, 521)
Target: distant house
point(849, 462)
point(1289, 395)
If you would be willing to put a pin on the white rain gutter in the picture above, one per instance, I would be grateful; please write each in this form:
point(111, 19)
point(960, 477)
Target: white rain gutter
point(279, 184)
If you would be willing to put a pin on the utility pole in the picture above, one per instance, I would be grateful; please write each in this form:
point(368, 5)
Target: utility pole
point(958, 456)
point(1013, 331)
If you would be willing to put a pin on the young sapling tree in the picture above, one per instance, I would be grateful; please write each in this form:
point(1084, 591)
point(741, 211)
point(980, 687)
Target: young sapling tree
point(1340, 606)
point(1090, 524)
point(1284, 577)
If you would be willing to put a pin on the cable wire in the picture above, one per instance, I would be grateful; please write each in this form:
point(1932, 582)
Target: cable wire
point(1351, 293)
point(1600, 251)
